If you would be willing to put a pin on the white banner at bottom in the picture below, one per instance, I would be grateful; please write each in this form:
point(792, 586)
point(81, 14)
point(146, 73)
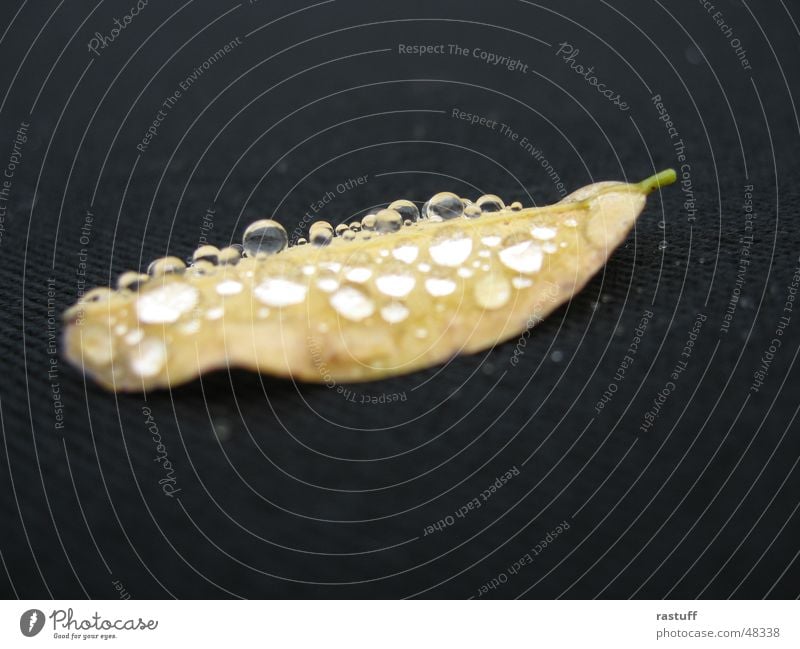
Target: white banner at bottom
point(399, 624)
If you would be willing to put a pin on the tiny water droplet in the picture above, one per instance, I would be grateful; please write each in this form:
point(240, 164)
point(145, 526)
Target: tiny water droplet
point(201, 268)
point(148, 357)
point(352, 303)
point(229, 256)
point(394, 312)
point(358, 267)
point(490, 239)
point(450, 247)
point(521, 254)
point(215, 313)
point(472, 211)
point(406, 252)
point(395, 280)
point(492, 291)
point(229, 287)
point(206, 253)
point(327, 280)
point(132, 280)
point(440, 284)
point(368, 222)
point(99, 294)
point(320, 233)
point(388, 221)
point(543, 233)
point(166, 303)
point(134, 337)
point(165, 266)
point(280, 291)
point(490, 203)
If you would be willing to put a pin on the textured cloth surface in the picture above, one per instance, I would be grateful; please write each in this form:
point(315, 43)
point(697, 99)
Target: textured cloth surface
point(389, 489)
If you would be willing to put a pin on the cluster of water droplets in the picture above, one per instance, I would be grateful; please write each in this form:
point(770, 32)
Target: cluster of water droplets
point(410, 278)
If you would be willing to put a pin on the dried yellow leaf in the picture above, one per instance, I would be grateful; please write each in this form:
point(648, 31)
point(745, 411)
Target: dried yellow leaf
point(385, 296)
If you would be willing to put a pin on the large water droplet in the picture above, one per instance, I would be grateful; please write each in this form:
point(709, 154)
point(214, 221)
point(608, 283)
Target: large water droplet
point(490, 203)
point(450, 247)
point(406, 209)
point(521, 254)
point(492, 291)
point(395, 279)
point(166, 303)
point(263, 238)
point(388, 221)
point(352, 303)
point(445, 206)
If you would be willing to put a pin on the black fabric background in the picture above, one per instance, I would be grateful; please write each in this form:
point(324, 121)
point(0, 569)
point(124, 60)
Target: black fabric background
point(295, 491)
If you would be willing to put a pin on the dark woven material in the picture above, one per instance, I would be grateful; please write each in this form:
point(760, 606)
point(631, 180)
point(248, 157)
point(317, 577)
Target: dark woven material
point(304, 491)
